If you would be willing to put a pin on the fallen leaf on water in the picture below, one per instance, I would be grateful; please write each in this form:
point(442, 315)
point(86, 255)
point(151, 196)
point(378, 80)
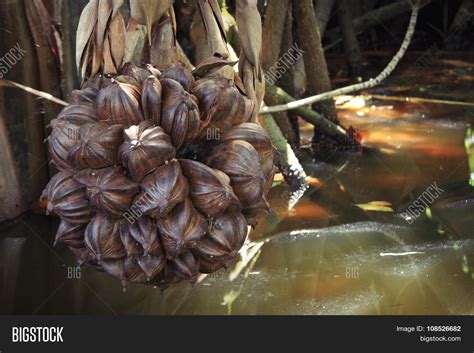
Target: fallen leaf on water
point(314, 182)
point(380, 206)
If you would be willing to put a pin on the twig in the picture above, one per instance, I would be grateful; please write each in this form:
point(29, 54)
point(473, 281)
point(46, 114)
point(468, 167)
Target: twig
point(41, 94)
point(419, 100)
point(357, 87)
point(330, 128)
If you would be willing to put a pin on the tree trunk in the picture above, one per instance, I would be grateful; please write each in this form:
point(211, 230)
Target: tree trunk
point(45, 39)
point(314, 61)
point(323, 14)
point(22, 112)
point(273, 26)
point(349, 38)
point(287, 81)
point(281, 118)
point(70, 17)
point(11, 203)
point(287, 161)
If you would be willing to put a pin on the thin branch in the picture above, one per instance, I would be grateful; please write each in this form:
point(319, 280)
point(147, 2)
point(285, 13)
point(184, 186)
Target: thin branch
point(419, 100)
point(357, 87)
point(330, 128)
point(48, 96)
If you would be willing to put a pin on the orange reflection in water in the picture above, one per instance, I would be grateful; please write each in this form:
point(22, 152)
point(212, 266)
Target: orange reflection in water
point(434, 146)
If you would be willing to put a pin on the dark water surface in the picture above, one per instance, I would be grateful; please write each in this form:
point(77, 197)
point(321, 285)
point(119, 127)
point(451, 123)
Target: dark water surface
point(343, 249)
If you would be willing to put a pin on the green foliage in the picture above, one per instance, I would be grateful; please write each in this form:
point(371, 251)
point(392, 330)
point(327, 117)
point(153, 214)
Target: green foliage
point(469, 144)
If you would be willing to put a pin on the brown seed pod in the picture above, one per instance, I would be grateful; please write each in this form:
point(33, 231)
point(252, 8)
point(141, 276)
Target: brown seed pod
point(224, 239)
point(67, 198)
point(165, 278)
point(185, 266)
point(109, 189)
point(102, 237)
point(84, 256)
point(183, 226)
point(98, 146)
point(257, 136)
point(153, 71)
point(126, 270)
point(210, 267)
point(126, 80)
point(269, 179)
point(132, 247)
point(85, 95)
point(220, 103)
point(171, 87)
point(151, 99)
point(162, 190)
point(77, 114)
point(71, 234)
point(119, 103)
point(145, 148)
point(137, 73)
point(145, 232)
point(99, 82)
point(209, 188)
point(151, 265)
point(251, 212)
point(66, 131)
point(252, 133)
point(211, 66)
point(240, 161)
point(180, 114)
point(179, 72)
point(61, 140)
point(267, 166)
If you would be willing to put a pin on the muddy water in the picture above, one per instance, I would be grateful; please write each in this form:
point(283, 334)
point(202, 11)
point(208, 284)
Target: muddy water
point(343, 249)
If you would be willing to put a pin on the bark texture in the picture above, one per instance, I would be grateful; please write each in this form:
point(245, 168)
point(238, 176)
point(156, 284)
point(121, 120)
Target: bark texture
point(22, 118)
point(349, 38)
point(314, 61)
point(273, 26)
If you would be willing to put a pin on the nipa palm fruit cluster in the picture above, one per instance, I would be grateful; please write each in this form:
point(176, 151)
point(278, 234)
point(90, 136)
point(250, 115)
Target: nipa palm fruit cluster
point(160, 173)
